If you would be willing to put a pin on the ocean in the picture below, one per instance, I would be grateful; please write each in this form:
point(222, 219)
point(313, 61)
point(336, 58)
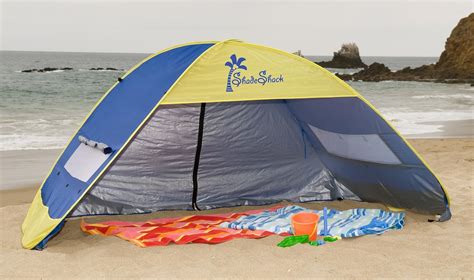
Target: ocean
point(42, 110)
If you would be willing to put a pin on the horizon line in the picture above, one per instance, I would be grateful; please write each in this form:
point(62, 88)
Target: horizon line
point(148, 53)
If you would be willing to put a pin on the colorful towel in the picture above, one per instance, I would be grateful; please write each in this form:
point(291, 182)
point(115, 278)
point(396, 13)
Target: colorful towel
point(189, 229)
point(349, 223)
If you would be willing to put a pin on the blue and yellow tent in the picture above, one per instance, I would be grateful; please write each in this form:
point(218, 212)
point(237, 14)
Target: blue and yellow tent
point(219, 124)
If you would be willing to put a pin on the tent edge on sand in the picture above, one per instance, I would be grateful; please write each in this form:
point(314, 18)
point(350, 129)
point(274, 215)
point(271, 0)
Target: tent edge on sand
point(303, 134)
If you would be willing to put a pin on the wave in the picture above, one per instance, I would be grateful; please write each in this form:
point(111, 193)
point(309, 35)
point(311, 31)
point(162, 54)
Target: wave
point(35, 134)
point(444, 96)
point(31, 142)
point(416, 123)
point(55, 71)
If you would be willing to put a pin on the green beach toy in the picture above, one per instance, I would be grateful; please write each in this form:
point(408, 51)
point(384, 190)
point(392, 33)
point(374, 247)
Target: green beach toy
point(302, 239)
point(331, 238)
point(293, 240)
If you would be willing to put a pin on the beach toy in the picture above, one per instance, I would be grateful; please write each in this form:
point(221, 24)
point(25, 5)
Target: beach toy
point(317, 243)
point(305, 223)
point(324, 240)
point(325, 222)
point(293, 240)
point(331, 238)
point(302, 239)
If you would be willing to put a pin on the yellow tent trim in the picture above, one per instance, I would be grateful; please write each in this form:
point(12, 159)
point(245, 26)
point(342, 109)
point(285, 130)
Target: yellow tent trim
point(395, 209)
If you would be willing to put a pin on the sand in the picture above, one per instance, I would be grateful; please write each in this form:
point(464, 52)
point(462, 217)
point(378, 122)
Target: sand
point(421, 249)
point(20, 169)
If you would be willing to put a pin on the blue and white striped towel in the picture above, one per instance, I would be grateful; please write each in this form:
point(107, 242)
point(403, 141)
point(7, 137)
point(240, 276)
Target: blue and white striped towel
point(348, 223)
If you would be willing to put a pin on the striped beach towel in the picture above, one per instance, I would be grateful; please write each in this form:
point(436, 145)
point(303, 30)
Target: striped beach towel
point(189, 229)
point(348, 223)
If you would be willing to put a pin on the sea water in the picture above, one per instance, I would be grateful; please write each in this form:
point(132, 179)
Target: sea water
point(42, 110)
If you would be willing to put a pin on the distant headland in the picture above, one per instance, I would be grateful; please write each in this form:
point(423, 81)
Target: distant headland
point(455, 65)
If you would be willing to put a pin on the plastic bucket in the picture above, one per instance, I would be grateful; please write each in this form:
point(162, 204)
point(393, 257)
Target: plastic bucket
point(305, 223)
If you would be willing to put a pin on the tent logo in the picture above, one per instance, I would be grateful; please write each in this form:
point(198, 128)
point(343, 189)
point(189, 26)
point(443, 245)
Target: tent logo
point(234, 64)
point(234, 77)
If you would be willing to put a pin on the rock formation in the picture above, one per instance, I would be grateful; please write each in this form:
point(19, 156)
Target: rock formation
point(347, 57)
point(46, 69)
point(373, 73)
point(52, 69)
point(299, 53)
point(105, 69)
point(457, 60)
point(455, 65)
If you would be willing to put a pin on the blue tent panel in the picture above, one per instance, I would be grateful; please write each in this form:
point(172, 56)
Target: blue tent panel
point(407, 185)
point(117, 116)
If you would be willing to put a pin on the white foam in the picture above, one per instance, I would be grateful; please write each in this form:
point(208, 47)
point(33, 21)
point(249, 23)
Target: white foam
point(44, 72)
point(31, 142)
point(35, 134)
point(424, 122)
point(444, 96)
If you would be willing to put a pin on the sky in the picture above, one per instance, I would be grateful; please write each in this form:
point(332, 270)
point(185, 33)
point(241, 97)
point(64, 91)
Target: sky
point(379, 28)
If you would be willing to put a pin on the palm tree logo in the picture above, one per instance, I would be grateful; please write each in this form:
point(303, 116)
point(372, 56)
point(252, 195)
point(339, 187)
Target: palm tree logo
point(234, 64)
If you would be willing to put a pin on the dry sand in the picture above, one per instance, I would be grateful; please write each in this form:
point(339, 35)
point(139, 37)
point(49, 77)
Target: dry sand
point(421, 249)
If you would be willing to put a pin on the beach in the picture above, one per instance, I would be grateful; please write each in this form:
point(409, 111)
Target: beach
point(351, 120)
point(44, 110)
point(420, 249)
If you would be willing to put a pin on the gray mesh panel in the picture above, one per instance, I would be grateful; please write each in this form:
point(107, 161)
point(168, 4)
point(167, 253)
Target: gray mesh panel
point(252, 153)
point(364, 147)
point(154, 172)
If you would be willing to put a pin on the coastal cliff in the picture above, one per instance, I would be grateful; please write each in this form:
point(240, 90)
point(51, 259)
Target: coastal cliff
point(457, 59)
point(455, 65)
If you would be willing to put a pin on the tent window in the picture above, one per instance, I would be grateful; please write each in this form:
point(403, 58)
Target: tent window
point(85, 161)
point(366, 147)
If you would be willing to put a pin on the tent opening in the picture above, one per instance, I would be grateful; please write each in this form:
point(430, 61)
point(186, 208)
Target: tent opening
point(251, 153)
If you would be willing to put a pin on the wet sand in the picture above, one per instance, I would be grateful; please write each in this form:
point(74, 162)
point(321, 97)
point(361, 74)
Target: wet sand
point(25, 167)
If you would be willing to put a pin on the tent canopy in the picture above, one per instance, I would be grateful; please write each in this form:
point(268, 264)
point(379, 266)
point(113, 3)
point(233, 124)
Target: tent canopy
point(217, 124)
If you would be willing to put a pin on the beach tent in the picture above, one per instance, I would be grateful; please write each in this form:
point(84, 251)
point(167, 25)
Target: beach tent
point(218, 124)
